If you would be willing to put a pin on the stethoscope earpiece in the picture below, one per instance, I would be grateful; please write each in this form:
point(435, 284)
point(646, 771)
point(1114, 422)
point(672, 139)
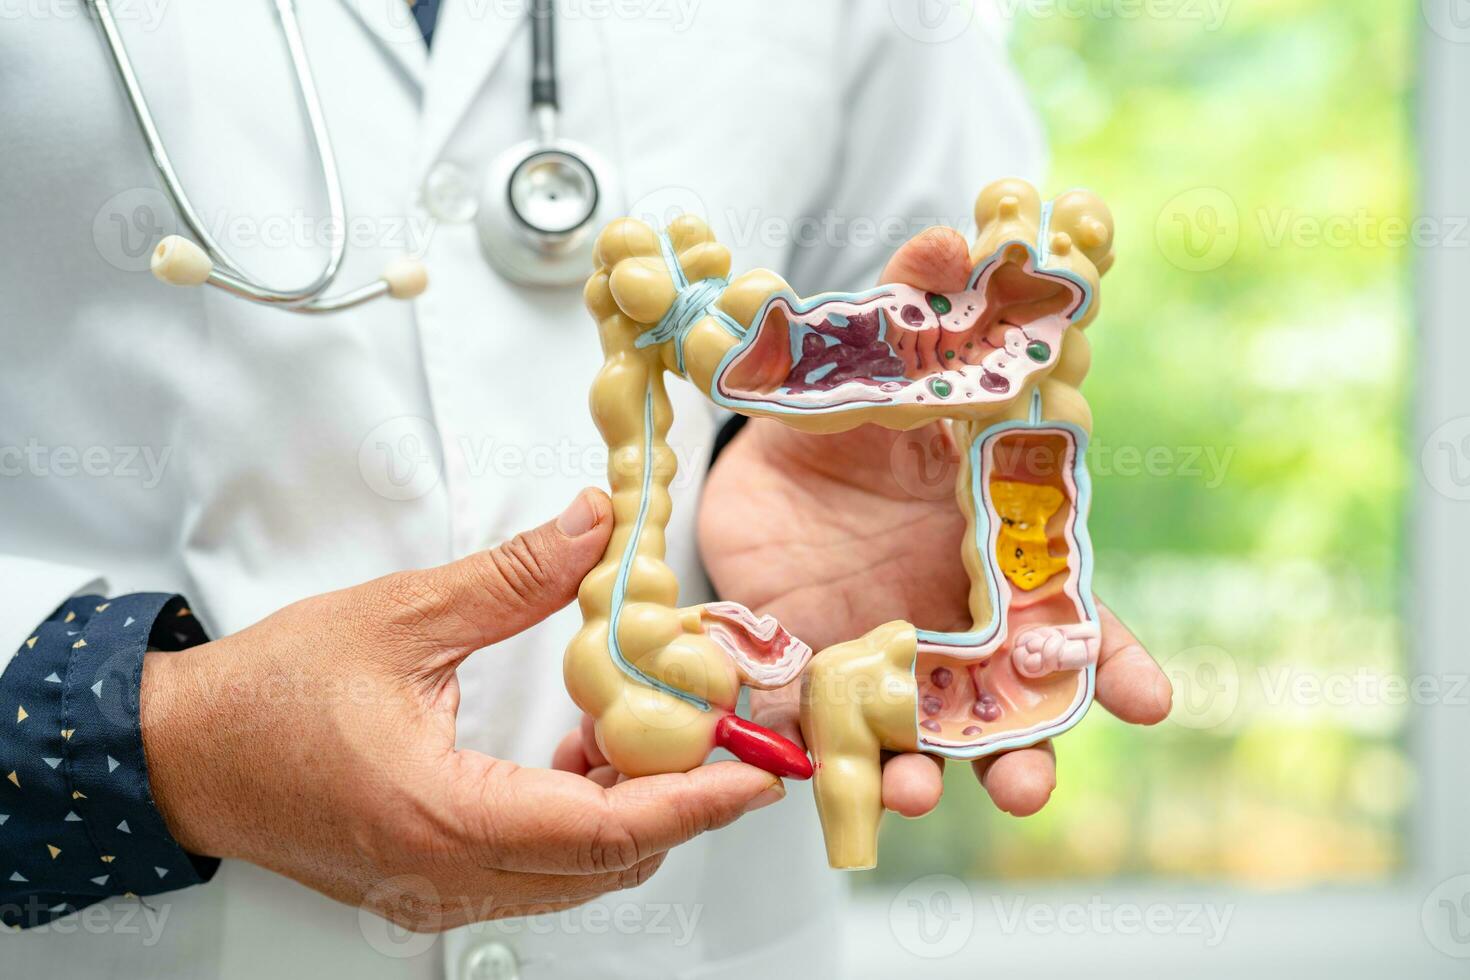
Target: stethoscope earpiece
point(538, 206)
point(181, 262)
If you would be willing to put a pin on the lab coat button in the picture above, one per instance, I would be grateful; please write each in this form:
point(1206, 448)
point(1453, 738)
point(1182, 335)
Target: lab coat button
point(449, 193)
point(491, 961)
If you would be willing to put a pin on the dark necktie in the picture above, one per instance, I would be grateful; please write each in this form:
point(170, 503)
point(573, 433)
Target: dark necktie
point(426, 12)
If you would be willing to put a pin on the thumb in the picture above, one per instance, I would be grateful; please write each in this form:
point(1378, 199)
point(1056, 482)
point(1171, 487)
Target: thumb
point(556, 823)
point(493, 595)
point(936, 258)
point(653, 814)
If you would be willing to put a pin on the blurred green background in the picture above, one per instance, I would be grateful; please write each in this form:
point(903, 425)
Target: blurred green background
point(1250, 400)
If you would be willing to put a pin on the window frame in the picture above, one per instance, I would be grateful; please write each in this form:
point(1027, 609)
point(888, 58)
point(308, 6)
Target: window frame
point(1370, 930)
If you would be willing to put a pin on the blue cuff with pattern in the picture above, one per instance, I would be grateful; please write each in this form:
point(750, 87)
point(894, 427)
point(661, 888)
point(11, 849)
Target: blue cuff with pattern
point(77, 821)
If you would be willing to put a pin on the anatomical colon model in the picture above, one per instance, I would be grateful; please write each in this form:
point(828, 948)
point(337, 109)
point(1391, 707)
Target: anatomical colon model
point(1000, 361)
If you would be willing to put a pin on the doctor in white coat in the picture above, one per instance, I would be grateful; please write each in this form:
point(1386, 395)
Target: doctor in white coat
point(158, 439)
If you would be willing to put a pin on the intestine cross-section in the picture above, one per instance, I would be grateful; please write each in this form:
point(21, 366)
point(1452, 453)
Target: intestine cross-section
point(999, 362)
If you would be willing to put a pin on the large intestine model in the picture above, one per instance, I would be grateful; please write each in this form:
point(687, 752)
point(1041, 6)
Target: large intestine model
point(1001, 362)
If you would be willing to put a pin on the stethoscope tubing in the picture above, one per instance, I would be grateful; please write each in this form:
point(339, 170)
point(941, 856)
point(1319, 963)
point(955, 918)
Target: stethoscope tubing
point(226, 273)
point(203, 261)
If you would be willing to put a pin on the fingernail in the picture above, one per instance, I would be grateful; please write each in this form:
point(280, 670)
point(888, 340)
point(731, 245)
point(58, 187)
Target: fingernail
point(579, 518)
point(769, 795)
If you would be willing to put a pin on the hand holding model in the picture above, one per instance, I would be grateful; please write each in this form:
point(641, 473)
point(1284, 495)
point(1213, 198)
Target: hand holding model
point(834, 535)
point(985, 658)
point(320, 743)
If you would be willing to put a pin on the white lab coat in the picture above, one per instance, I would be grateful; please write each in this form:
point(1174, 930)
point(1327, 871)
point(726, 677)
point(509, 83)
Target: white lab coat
point(166, 439)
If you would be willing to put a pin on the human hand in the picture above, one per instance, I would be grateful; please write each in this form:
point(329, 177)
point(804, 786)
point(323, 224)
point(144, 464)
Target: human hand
point(827, 533)
point(320, 743)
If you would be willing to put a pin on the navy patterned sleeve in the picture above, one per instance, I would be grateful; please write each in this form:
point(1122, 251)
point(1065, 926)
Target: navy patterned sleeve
point(77, 821)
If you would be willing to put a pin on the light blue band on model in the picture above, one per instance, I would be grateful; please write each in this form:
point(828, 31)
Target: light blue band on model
point(625, 568)
point(695, 301)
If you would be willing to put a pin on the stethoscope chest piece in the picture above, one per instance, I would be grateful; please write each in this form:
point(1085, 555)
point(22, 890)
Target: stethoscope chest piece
point(542, 199)
point(553, 190)
point(540, 205)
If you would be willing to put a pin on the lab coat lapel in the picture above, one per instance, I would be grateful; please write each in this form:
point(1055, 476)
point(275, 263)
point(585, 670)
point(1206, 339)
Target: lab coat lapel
point(469, 41)
point(391, 23)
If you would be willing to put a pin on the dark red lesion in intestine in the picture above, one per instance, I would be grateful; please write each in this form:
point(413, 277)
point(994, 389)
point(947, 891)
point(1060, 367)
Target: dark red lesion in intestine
point(860, 354)
point(960, 697)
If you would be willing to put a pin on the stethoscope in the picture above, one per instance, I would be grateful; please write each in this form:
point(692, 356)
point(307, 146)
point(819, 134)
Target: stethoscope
point(538, 205)
point(542, 198)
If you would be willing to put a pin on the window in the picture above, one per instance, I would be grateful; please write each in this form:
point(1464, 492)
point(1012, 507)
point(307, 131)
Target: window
point(1259, 475)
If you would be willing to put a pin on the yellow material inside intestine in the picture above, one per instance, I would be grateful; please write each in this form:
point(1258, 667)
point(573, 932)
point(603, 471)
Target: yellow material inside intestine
point(1021, 547)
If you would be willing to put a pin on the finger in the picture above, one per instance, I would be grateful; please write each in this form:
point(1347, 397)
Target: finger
point(936, 259)
point(1130, 684)
point(526, 911)
point(545, 821)
point(569, 756)
point(594, 754)
point(527, 889)
point(555, 893)
point(912, 784)
point(655, 813)
point(503, 895)
point(1019, 782)
point(495, 594)
point(779, 710)
point(509, 589)
point(604, 776)
point(460, 918)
